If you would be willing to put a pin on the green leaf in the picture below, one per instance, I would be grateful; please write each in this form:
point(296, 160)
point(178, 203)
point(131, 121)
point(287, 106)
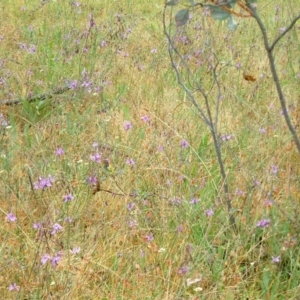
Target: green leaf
point(231, 4)
point(172, 2)
point(218, 13)
point(182, 17)
point(232, 24)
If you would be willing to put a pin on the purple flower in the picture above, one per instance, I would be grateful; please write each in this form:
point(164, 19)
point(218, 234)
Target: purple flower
point(37, 225)
point(11, 218)
point(256, 182)
point(184, 144)
point(75, 250)
point(23, 46)
point(73, 84)
point(268, 203)
point(96, 158)
point(275, 259)
point(92, 180)
point(226, 137)
point(262, 130)
point(3, 122)
point(127, 125)
point(13, 287)
point(130, 162)
point(59, 152)
point(32, 49)
point(69, 219)
point(274, 169)
point(263, 223)
point(154, 50)
point(56, 259)
point(183, 270)
point(149, 237)
point(239, 192)
point(130, 205)
point(55, 228)
point(209, 212)
point(179, 228)
point(160, 148)
point(103, 44)
point(132, 223)
point(68, 197)
point(44, 259)
point(194, 200)
point(146, 119)
point(175, 201)
point(44, 183)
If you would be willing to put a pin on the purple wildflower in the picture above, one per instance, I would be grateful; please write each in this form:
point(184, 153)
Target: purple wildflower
point(226, 137)
point(184, 144)
point(55, 228)
point(68, 198)
point(59, 152)
point(3, 122)
point(146, 119)
point(11, 218)
point(175, 201)
point(75, 250)
point(130, 162)
point(37, 225)
point(275, 259)
point(238, 65)
point(96, 158)
point(239, 192)
point(44, 183)
point(274, 169)
point(183, 270)
point(92, 180)
point(56, 259)
point(179, 228)
point(209, 212)
point(263, 223)
point(13, 287)
point(154, 50)
point(69, 219)
point(127, 125)
point(130, 206)
point(103, 44)
point(149, 237)
point(44, 259)
point(194, 200)
point(132, 223)
point(73, 84)
point(262, 130)
point(160, 148)
point(32, 49)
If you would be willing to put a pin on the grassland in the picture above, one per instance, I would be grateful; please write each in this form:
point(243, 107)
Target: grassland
point(111, 189)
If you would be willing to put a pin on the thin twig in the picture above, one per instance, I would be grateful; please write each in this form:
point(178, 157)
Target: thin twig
point(269, 50)
point(207, 117)
point(57, 91)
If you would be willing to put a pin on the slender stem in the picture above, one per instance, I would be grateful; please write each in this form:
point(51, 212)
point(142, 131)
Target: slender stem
point(269, 50)
point(207, 117)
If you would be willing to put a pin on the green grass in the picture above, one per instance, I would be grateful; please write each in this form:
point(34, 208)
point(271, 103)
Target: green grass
point(122, 80)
